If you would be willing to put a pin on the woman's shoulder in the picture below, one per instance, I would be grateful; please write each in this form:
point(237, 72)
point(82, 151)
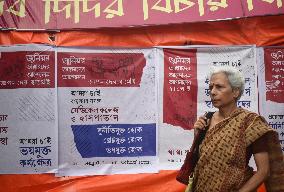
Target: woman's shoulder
point(251, 116)
point(248, 113)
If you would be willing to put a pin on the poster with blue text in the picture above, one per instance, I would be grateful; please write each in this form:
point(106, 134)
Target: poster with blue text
point(107, 111)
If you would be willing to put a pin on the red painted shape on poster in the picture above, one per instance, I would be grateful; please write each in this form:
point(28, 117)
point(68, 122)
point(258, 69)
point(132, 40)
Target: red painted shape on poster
point(100, 69)
point(180, 87)
point(274, 74)
point(27, 69)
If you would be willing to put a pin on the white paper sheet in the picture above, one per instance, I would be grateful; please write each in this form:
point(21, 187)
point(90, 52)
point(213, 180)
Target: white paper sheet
point(107, 111)
point(176, 140)
point(28, 117)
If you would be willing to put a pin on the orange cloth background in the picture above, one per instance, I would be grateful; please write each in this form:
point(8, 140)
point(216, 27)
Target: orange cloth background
point(262, 31)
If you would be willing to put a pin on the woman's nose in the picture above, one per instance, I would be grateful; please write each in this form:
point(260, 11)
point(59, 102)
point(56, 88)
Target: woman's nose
point(213, 92)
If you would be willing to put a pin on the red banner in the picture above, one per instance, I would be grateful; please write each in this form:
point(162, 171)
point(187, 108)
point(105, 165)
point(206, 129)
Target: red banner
point(68, 14)
point(180, 87)
point(274, 74)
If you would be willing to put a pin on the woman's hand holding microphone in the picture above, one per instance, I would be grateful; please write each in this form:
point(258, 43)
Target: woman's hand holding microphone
point(200, 124)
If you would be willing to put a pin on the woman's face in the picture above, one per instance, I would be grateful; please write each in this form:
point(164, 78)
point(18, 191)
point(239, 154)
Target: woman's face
point(221, 92)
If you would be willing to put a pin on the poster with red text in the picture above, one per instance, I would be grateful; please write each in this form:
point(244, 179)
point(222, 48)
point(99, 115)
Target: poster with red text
point(184, 93)
point(28, 117)
point(271, 88)
point(107, 111)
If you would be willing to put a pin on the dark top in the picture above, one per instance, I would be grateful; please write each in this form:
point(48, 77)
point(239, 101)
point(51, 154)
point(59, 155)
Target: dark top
point(259, 145)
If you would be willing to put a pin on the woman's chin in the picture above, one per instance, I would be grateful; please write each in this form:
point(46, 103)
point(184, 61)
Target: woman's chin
point(215, 104)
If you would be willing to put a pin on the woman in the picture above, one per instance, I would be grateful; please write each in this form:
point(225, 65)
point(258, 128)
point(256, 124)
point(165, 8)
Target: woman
point(233, 136)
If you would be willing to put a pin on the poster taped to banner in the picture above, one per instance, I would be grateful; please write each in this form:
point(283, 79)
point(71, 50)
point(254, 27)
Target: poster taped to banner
point(271, 87)
point(107, 111)
point(184, 93)
point(28, 117)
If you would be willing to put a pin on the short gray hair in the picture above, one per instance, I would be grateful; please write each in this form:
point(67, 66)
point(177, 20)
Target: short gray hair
point(235, 77)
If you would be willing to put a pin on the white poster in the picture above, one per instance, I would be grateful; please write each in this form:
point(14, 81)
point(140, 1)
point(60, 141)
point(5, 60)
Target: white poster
point(271, 88)
point(242, 58)
point(184, 93)
point(107, 111)
point(28, 117)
